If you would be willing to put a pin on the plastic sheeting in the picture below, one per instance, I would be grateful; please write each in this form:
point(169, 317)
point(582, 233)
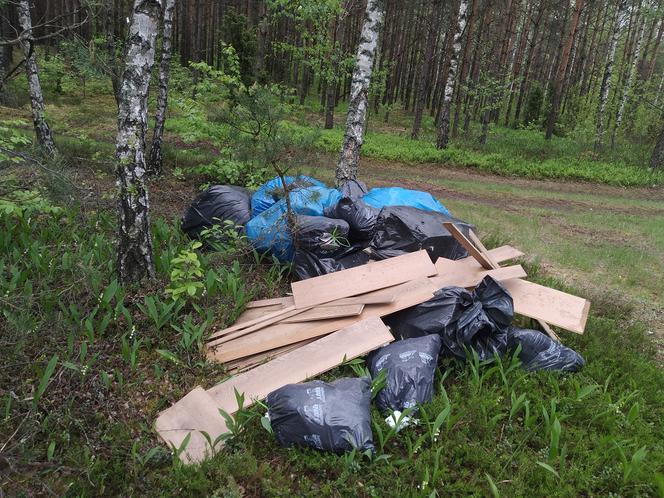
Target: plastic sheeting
point(400, 229)
point(359, 215)
point(540, 352)
point(410, 366)
point(478, 320)
point(214, 206)
point(269, 231)
point(331, 416)
point(397, 196)
point(272, 191)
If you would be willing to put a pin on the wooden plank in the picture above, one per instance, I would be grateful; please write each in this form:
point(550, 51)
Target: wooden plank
point(251, 313)
point(326, 313)
point(254, 360)
point(196, 412)
point(478, 243)
point(504, 253)
point(284, 301)
point(303, 363)
point(273, 317)
point(548, 330)
point(458, 274)
point(549, 305)
point(281, 334)
point(362, 279)
point(467, 245)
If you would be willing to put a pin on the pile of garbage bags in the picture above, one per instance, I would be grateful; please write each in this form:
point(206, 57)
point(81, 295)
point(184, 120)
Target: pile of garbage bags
point(322, 230)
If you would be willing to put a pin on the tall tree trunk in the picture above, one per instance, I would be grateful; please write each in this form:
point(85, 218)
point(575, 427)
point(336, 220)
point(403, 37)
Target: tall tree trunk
point(42, 130)
point(657, 158)
point(562, 67)
point(359, 93)
point(134, 239)
point(608, 71)
point(423, 80)
point(155, 163)
point(444, 124)
point(628, 84)
point(465, 60)
point(653, 59)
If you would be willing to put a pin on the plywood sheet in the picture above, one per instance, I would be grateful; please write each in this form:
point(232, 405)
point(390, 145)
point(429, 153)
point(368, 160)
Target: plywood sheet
point(362, 279)
point(196, 412)
point(549, 305)
point(303, 363)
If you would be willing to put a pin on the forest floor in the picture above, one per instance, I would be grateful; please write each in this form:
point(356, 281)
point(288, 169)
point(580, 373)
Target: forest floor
point(91, 431)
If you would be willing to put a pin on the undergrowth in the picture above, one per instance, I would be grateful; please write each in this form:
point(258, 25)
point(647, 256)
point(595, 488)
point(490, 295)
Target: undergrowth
point(87, 366)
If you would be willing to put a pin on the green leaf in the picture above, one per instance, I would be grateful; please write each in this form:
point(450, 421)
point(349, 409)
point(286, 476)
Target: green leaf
point(43, 383)
point(548, 467)
point(169, 356)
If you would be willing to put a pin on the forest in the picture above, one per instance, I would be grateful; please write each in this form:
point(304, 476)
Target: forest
point(539, 123)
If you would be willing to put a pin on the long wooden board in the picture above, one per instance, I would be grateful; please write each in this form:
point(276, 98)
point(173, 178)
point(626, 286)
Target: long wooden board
point(362, 279)
point(194, 413)
point(458, 274)
point(549, 305)
point(254, 360)
point(303, 363)
point(282, 334)
point(326, 313)
point(503, 253)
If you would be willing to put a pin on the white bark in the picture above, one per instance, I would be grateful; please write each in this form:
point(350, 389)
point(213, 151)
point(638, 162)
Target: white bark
point(608, 71)
point(42, 130)
point(446, 105)
point(629, 82)
point(359, 93)
point(156, 159)
point(134, 239)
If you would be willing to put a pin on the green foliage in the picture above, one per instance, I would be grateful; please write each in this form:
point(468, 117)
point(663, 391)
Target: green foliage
point(186, 274)
point(234, 172)
point(533, 108)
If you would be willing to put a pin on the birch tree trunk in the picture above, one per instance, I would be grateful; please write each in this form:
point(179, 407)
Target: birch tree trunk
point(359, 93)
point(628, 84)
point(605, 88)
point(42, 130)
point(155, 163)
point(134, 240)
point(444, 123)
point(559, 77)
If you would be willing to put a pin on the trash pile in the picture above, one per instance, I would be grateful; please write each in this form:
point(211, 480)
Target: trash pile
point(388, 274)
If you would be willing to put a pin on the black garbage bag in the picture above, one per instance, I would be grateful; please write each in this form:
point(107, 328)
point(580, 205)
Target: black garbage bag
point(325, 235)
point(410, 366)
point(540, 352)
point(358, 214)
point(309, 263)
point(478, 320)
point(353, 189)
point(331, 416)
point(323, 247)
point(215, 205)
point(403, 229)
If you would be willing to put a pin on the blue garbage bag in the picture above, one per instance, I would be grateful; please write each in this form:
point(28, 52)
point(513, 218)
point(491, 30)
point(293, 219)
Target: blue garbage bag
point(273, 190)
point(269, 230)
point(397, 196)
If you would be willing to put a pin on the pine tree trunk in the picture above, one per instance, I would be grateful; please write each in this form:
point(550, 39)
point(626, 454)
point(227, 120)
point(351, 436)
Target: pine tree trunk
point(657, 159)
point(42, 130)
point(605, 88)
point(359, 93)
point(423, 79)
point(155, 163)
point(628, 84)
point(559, 78)
point(134, 239)
point(444, 123)
point(465, 59)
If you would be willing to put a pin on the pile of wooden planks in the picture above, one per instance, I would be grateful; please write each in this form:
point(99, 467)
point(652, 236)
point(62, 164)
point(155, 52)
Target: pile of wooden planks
point(336, 317)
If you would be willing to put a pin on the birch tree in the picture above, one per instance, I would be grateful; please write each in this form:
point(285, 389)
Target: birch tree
point(359, 93)
point(42, 130)
point(605, 87)
point(446, 105)
point(657, 159)
point(134, 240)
point(628, 84)
point(155, 163)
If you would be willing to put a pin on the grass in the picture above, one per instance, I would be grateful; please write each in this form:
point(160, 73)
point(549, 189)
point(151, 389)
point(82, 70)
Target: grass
point(89, 432)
